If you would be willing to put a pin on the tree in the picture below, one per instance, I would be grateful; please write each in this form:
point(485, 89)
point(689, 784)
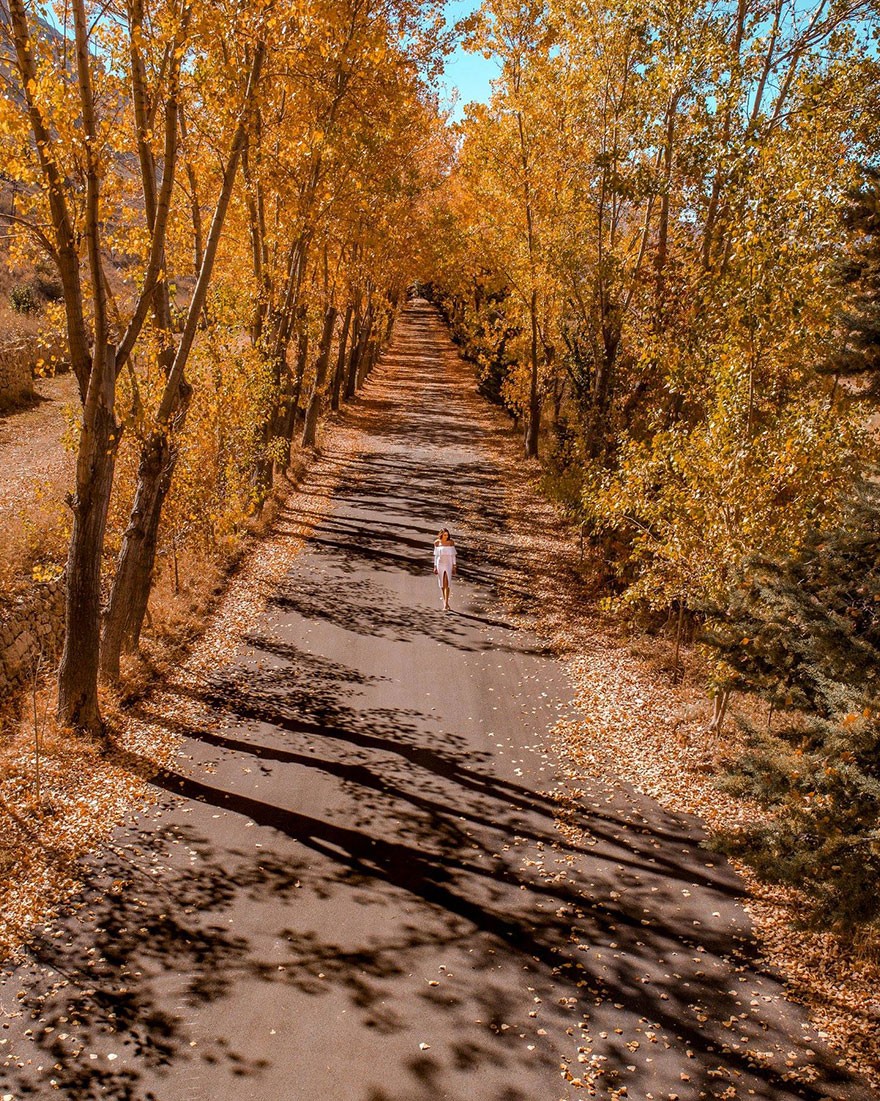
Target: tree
point(72, 148)
point(506, 169)
point(858, 358)
point(803, 633)
point(134, 569)
point(293, 151)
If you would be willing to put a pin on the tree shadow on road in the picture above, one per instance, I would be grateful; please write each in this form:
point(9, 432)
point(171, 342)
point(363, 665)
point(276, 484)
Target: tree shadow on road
point(619, 949)
point(477, 863)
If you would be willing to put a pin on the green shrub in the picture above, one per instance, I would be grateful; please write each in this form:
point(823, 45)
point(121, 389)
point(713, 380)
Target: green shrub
point(23, 298)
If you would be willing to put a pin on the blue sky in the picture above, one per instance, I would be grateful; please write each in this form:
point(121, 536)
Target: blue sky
point(467, 74)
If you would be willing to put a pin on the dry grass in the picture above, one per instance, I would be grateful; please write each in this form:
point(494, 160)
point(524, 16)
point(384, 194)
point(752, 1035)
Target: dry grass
point(33, 538)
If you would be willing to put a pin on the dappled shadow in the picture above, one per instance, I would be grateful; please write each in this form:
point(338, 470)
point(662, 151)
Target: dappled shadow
point(151, 945)
point(359, 878)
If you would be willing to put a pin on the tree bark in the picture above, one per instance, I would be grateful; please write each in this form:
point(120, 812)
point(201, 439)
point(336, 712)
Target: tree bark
point(339, 373)
point(371, 354)
point(277, 341)
point(533, 420)
point(662, 254)
point(287, 410)
point(65, 252)
point(713, 209)
point(314, 409)
point(96, 459)
point(719, 710)
point(134, 572)
point(364, 350)
point(354, 358)
point(195, 209)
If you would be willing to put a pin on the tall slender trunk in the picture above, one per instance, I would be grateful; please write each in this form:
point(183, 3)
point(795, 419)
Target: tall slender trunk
point(597, 417)
point(130, 594)
point(371, 354)
point(662, 254)
point(195, 210)
point(286, 422)
point(64, 249)
point(364, 350)
point(533, 416)
point(132, 583)
point(96, 461)
point(265, 464)
point(339, 373)
point(714, 207)
point(323, 362)
point(277, 423)
point(533, 420)
point(354, 357)
point(134, 572)
point(558, 395)
point(96, 458)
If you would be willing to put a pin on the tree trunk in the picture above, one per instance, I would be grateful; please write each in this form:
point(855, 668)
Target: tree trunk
point(302, 359)
point(662, 254)
point(371, 354)
point(364, 353)
point(265, 464)
point(313, 412)
point(130, 594)
point(558, 395)
point(125, 612)
point(96, 460)
point(65, 252)
point(133, 581)
point(354, 359)
point(533, 420)
point(286, 423)
point(603, 386)
point(339, 373)
point(719, 711)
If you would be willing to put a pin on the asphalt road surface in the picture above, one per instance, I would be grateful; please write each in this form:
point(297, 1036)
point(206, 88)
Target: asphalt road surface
point(354, 888)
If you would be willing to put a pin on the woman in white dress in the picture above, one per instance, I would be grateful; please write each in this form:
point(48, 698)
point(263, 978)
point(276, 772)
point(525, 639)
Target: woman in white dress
point(444, 564)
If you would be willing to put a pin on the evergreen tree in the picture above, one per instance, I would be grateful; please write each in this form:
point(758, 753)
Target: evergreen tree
point(859, 357)
point(805, 635)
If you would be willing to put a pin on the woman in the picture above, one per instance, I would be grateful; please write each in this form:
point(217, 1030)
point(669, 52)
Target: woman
point(444, 564)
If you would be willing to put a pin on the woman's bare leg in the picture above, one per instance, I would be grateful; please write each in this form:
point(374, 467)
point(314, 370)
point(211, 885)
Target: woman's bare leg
point(445, 590)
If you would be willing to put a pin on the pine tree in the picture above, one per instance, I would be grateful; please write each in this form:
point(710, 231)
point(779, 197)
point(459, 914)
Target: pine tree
point(859, 357)
point(804, 634)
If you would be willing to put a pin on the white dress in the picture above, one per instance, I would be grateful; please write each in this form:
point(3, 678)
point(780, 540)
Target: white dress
point(444, 562)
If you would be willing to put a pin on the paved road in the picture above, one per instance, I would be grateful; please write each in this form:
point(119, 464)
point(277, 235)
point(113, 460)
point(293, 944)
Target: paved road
point(354, 888)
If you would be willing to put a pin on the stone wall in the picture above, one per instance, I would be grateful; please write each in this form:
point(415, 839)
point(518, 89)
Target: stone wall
point(16, 372)
point(33, 623)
